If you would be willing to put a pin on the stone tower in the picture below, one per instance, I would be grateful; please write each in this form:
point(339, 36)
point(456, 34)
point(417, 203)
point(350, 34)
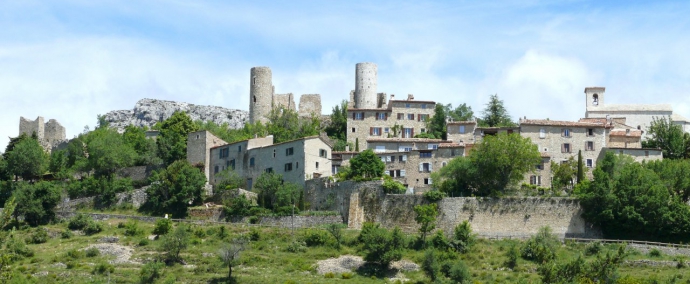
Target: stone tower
point(365, 85)
point(260, 94)
point(594, 96)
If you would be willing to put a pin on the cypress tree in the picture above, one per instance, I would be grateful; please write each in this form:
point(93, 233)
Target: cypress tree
point(580, 167)
point(356, 144)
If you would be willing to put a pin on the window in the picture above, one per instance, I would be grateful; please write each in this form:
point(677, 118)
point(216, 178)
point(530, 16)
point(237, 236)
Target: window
point(425, 167)
point(274, 153)
point(422, 117)
point(425, 154)
point(239, 148)
point(289, 151)
point(358, 115)
point(565, 132)
point(565, 148)
point(254, 83)
point(380, 149)
point(462, 129)
point(542, 133)
point(250, 182)
point(443, 164)
point(323, 153)
point(407, 105)
point(391, 173)
point(408, 133)
point(375, 131)
point(402, 158)
point(215, 169)
point(646, 153)
point(401, 116)
point(353, 130)
point(317, 165)
point(224, 153)
point(432, 146)
point(452, 152)
point(589, 146)
point(590, 131)
point(404, 148)
point(288, 167)
point(197, 136)
point(410, 116)
point(296, 165)
point(427, 181)
point(423, 130)
point(386, 130)
point(423, 106)
point(535, 180)
point(268, 170)
point(388, 159)
point(595, 99)
point(231, 164)
point(251, 162)
point(381, 116)
point(540, 167)
point(590, 163)
point(254, 98)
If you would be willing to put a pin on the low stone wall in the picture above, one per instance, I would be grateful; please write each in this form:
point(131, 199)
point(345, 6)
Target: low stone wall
point(136, 198)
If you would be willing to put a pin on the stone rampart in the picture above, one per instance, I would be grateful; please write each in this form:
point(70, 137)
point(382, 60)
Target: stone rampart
point(136, 198)
point(310, 104)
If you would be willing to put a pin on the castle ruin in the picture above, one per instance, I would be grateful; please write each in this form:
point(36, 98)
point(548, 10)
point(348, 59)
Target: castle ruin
point(50, 134)
point(262, 98)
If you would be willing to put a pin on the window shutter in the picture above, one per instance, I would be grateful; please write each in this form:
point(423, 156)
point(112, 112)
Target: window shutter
point(402, 173)
point(380, 131)
point(430, 181)
point(563, 132)
point(421, 167)
point(404, 158)
point(385, 116)
point(377, 116)
point(412, 132)
point(371, 130)
point(419, 117)
point(353, 115)
point(431, 168)
point(563, 148)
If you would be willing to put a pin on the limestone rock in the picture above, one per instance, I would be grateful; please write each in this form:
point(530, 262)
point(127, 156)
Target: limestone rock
point(147, 112)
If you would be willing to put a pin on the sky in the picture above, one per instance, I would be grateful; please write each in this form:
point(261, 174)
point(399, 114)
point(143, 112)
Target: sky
point(74, 60)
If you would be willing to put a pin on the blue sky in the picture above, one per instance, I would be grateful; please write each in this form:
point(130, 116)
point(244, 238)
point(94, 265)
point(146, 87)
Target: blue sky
point(73, 60)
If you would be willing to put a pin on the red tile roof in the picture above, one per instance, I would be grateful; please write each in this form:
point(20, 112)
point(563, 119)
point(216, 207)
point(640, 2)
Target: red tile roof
point(421, 140)
point(461, 122)
point(561, 123)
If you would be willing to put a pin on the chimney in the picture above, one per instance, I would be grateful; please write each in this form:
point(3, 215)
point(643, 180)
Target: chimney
point(392, 96)
point(410, 97)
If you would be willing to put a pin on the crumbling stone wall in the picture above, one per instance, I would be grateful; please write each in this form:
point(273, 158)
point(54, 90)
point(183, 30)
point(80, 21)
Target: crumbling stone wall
point(51, 135)
point(32, 126)
point(310, 104)
point(286, 101)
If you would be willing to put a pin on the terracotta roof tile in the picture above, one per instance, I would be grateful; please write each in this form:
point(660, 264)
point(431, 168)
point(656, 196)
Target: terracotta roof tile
point(461, 122)
point(421, 140)
point(452, 145)
point(625, 133)
point(560, 123)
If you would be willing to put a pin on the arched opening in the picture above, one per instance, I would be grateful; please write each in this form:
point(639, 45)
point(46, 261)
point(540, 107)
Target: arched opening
point(595, 99)
point(254, 99)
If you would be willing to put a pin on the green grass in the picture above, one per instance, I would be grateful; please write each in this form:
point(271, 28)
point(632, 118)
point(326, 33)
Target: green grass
point(268, 261)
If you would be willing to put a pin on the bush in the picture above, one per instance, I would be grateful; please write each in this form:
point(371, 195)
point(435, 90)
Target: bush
point(347, 275)
point(254, 234)
point(391, 186)
point(199, 233)
point(459, 272)
point(541, 247)
point(174, 243)
point(655, 253)
point(434, 195)
point(222, 232)
point(238, 206)
point(132, 228)
point(367, 227)
point(463, 238)
point(254, 220)
point(92, 252)
point(162, 227)
point(439, 241)
point(38, 236)
point(513, 256)
point(75, 254)
point(103, 268)
point(143, 242)
point(431, 265)
point(593, 248)
point(315, 237)
point(66, 234)
point(329, 275)
point(151, 271)
point(79, 221)
point(18, 249)
point(93, 228)
point(381, 247)
point(297, 247)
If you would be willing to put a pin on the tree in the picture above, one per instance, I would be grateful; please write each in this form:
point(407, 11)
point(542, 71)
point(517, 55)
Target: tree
point(426, 218)
point(337, 129)
point(563, 173)
point(229, 254)
point(108, 152)
point(675, 174)
point(227, 179)
point(431, 266)
point(175, 188)
point(174, 243)
point(494, 164)
point(58, 164)
point(267, 185)
point(146, 149)
point(495, 114)
point(172, 140)
point(27, 159)
point(36, 202)
point(366, 166)
point(286, 125)
point(336, 231)
point(669, 137)
point(461, 113)
point(437, 124)
point(380, 246)
point(463, 239)
point(580, 168)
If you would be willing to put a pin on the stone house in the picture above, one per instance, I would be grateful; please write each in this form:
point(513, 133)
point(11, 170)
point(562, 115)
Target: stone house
point(199, 144)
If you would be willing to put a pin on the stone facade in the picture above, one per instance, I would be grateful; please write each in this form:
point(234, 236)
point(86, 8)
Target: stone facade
point(199, 146)
point(461, 131)
point(563, 139)
point(50, 134)
point(263, 99)
point(639, 154)
point(296, 160)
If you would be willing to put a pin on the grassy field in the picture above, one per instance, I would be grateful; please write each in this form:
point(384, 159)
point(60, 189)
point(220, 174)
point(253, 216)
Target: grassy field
point(267, 259)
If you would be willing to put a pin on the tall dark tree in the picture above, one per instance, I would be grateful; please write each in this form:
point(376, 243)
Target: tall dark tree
point(495, 114)
point(172, 141)
point(36, 202)
point(462, 112)
point(668, 137)
point(27, 159)
point(580, 167)
point(437, 123)
point(174, 189)
point(366, 166)
point(135, 137)
point(337, 129)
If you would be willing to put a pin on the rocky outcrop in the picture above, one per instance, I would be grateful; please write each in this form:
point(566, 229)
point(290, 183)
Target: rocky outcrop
point(147, 112)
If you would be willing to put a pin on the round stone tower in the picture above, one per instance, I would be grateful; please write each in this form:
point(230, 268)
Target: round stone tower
point(260, 94)
point(365, 85)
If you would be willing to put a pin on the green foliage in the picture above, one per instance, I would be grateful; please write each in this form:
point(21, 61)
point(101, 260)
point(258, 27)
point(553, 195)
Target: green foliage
point(227, 180)
point(426, 218)
point(92, 228)
point(238, 206)
point(274, 193)
point(462, 112)
point(436, 126)
point(66, 234)
point(654, 253)
point(675, 175)
point(495, 114)
point(225, 132)
point(669, 137)
point(92, 252)
point(357, 144)
point(17, 248)
point(103, 268)
point(391, 186)
point(230, 253)
point(513, 254)
point(146, 149)
point(79, 221)
point(36, 202)
point(296, 247)
point(494, 164)
point(380, 247)
point(593, 248)
point(27, 159)
point(580, 167)
point(316, 237)
point(107, 152)
point(174, 243)
point(174, 189)
point(163, 226)
point(434, 195)
point(439, 241)
point(132, 228)
point(366, 166)
point(541, 247)
point(336, 231)
point(600, 270)
point(172, 140)
point(431, 266)
point(58, 164)
point(151, 271)
point(286, 125)
point(337, 129)
point(463, 239)
point(564, 174)
point(460, 273)
point(38, 235)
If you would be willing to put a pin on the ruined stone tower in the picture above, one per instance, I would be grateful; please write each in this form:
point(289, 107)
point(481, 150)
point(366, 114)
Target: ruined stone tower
point(260, 94)
point(365, 85)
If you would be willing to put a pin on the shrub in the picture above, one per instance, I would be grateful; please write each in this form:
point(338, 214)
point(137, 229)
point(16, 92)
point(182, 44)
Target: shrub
point(655, 253)
point(18, 249)
point(347, 275)
point(439, 241)
point(103, 268)
point(431, 265)
point(174, 243)
point(132, 228)
point(254, 234)
point(463, 239)
point(329, 275)
point(254, 220)
point(92, 252)
point(315, 237)
point(680, 262)
point(381, 247)
point(459, 272)
point(367, 227)
point(541, 247)
point(238, 206)
point(199, 233)
point(93, 228)
point(162, 227)
point(513, 256)
point(75, 254)
point(79, 221)
point(38, 236)
point(222, 232)
point(434, 195)
point(391, 186)
point(336, 231)
point(297, 247)
point(151, 271)
point(143, 242)
point(66, 234)
point(593, 248)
